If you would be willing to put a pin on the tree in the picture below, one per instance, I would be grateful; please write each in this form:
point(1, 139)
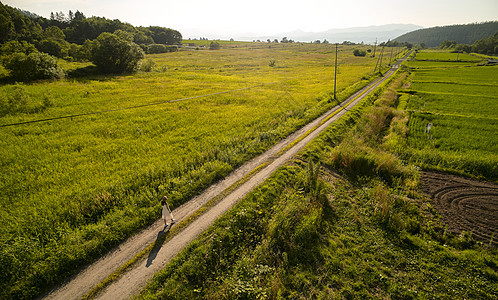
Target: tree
point(166, 36)
point(7, 29)
point(12, 47)
point(53, 42)
point(462, 34)
point(447, 44)
point(90, 28)
point(79, 15)
point(84, 52)
point(16, 26)
point(54, 47)
point(125, 35)
point(54, 32)
point(463, 48)
point(487, 45)
point(113, 54)
point(142, 38)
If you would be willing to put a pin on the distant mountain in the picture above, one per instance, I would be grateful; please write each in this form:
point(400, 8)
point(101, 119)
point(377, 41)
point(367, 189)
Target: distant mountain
point(462, 34)
point(368, 34)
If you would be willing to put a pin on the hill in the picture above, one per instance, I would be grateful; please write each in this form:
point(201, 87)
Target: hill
point(355, 34)
point(462, 34)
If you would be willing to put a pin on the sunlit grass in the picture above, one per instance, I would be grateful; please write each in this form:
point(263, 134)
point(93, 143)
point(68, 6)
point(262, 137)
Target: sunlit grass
point(453, 119)
point(308, 233)
point(446, 56)
point(72, 188)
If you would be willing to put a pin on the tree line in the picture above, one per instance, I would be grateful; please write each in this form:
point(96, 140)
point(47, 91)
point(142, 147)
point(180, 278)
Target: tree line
point(487, 46)
point(30, 43)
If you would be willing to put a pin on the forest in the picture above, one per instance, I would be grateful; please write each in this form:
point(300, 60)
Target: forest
point(31, 45)
point(21, 25)
point(461, 34)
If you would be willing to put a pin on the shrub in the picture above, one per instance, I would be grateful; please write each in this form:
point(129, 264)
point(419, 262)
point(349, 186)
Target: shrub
point(160, 48)
point(34, 66)
point(17, 101)
point(358, 52)
point(214, 46)
point(147, 65)
point(156, 48)
point(172, 48)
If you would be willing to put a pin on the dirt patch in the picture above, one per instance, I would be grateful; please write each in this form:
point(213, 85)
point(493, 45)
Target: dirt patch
point(465, 204)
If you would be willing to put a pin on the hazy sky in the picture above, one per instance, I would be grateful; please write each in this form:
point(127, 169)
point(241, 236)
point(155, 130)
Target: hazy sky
point(271, 16)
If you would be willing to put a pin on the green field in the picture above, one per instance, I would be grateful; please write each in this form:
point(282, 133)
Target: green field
point(73, 188)
point(446, 56)
point(460, 106)
point(281, 243)
point(309, 233)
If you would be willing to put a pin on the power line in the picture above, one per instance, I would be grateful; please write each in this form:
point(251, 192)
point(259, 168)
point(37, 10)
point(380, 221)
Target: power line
point(138, 106)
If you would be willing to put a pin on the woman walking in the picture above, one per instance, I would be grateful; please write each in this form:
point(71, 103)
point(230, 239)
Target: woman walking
point(166, 210)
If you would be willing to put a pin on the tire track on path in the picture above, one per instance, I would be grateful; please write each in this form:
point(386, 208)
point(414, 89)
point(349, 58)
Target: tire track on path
point(131, 282)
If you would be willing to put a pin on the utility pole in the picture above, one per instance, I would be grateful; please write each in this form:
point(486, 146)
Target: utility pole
point(335, 74)
point(391, 56)
point(379, 60)
point(375, 46)
point(380, 65)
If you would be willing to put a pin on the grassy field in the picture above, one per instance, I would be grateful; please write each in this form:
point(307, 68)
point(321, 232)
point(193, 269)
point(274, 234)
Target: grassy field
point(446, 56)
point(310, 233)
point(72, 188)
point(453, 118)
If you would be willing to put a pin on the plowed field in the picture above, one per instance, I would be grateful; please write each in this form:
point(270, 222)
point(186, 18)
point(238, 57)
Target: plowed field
point(465, 204)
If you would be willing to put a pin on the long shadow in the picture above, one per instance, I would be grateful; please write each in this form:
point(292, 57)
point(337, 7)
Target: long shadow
point(161, 236)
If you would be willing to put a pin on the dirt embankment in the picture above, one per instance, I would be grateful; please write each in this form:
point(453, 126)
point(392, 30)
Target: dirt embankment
point(465, 204)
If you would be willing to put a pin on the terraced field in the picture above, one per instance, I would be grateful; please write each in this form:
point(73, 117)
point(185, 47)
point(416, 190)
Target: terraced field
point(453, 121)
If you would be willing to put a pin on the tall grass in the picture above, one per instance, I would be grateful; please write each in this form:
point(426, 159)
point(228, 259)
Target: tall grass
point(358, 155)
point(71, 189)
point(369, 239)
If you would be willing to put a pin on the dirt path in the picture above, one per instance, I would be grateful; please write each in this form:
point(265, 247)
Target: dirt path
point(134, 280)
point(465, 204)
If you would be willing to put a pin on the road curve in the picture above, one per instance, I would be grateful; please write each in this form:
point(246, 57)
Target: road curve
point(133, 281)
